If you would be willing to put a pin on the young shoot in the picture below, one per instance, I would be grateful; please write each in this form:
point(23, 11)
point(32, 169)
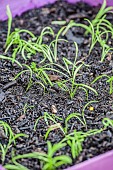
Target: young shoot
point(9, 24)
point(75, 140)
point(99, 28)
point(47, 117)
point(71, 70)
point(109, 80)
point(10, 136)
point(49, 160)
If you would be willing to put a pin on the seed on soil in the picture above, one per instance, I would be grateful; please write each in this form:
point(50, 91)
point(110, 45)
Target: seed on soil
point(91, 108)
point(21, 117)
point(54, 109)
point(54, 77)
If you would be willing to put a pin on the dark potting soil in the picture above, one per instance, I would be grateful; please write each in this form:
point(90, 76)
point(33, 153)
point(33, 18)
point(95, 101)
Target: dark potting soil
point(14, 98)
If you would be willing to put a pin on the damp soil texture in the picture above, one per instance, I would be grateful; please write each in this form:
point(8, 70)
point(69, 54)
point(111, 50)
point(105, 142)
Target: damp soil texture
point(21, 108)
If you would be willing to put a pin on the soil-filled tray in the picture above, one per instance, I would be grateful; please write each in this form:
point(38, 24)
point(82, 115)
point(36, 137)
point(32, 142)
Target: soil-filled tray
point(56, 94)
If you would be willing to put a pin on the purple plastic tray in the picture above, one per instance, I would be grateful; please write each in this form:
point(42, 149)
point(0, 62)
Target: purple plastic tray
point(20, 6)
point(1, 168)
point(101, 162)
point(93, 2)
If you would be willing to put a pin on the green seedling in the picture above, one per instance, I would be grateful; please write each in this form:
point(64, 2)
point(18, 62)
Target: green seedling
point(75, 140)
point(15, 167)
point(34, 45)
point(58, 22)
point(107, 122)
point(100, 34)
point(14, 38)
point(47, 117)
point(45, 31)
point(109, 80)
point(51, 160)
point(83, 110)
point(29, 47)
point(48, 160)
point(10, 136)
point(51, 117)
point(75, 143)
point(103, 11)
point(52, 128)
point(55, 44)
point(71, 86)
point(73, 24)
point(20, 44)
point(29, 70)
point(26, 107)
point(39, 47)
point(50, 51)
point(71, 70)
point(105, 50)
point(80, 117)
point(9, 24)
point(71, 116)
point(99, 28)
point(10, 59)
point(39, 72)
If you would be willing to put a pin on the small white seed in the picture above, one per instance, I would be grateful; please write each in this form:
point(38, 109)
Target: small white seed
point(53, 109)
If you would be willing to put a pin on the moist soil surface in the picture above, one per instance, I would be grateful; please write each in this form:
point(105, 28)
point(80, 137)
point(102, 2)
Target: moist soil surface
point(20, 109)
